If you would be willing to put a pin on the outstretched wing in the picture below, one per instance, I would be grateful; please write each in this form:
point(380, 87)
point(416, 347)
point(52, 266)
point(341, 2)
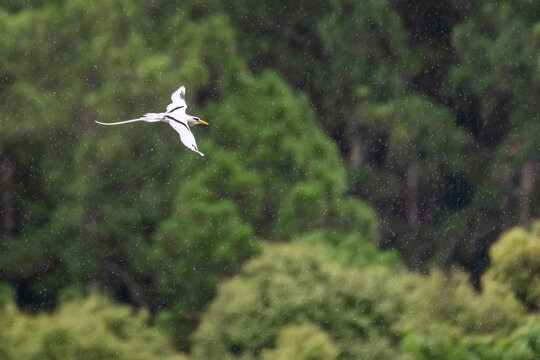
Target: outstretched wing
point(178, 100)
point(150, 117)
point(186, 135)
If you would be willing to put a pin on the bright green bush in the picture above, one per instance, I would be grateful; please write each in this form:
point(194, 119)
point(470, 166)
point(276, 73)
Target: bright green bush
point(352, 249)
point(515, 262)
point(302, 342)
point(82, 330)
point(447, 319)
point(297, 283)
point(521, 344)
point(449, 302)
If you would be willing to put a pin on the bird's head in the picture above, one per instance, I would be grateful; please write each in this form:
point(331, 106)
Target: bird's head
point(196, 121)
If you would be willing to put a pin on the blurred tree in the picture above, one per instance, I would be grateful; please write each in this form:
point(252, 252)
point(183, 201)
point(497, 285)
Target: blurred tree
point(273, 132)
point(515, 262)
point(521, 344)
point(259, 155)
point(116, 209)
point(131, 211)
point(448, 303)
point(329, 48)
point(88, 202)
point(423, 147)
point(303, 342)
point(494, 87)
point(203, 240)
point(352, 249)
point(89, 329)
point(349, 56)
point(58, 76)
point(446, 319)
point(293, 284)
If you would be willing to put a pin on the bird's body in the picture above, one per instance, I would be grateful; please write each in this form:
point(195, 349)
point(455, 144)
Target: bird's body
point(176, 117)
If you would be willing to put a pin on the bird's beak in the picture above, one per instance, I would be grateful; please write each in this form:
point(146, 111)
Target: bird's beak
point(203, 122)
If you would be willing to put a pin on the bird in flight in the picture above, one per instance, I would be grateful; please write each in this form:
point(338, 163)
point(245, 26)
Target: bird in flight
point(176, 116)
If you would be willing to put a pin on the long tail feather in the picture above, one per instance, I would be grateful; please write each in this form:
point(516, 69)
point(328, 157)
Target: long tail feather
point(121, 122)
point(150, 117)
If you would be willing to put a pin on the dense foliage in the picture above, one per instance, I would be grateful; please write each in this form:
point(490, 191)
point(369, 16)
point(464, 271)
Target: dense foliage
point(337, 128)
point(89, 329)
point(459, 80)
point(366, 313)
point(515, 263)
point(293, 284)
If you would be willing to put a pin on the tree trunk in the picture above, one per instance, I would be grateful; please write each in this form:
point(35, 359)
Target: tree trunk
point(7, 207)
point(411, 195)
point(525, 193)
point(356, 152)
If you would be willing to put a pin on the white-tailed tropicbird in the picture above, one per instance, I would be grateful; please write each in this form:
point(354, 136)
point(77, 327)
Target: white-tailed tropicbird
point(176, 116)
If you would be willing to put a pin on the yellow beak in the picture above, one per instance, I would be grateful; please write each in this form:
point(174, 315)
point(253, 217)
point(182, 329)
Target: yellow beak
point(203, 122)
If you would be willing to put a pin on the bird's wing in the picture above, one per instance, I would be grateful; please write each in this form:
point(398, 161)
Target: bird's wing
point(178, 100)
point(186, 135)
point(150, 117)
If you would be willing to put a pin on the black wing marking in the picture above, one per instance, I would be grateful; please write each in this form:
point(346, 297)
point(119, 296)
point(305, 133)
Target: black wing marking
point(183, 93)
point(176, 108)
point(178, 121)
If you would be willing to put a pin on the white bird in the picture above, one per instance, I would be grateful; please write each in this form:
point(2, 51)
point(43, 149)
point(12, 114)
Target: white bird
point(176, 116)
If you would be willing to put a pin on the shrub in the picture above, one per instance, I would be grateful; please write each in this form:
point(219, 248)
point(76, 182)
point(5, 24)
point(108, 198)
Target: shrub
point(302, 342)
point(447, 319)
point(515, 261)
point(289, 285)
point(83, 329)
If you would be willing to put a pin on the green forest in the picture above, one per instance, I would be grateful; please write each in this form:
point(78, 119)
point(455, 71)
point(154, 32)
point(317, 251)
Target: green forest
point(370, 188)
